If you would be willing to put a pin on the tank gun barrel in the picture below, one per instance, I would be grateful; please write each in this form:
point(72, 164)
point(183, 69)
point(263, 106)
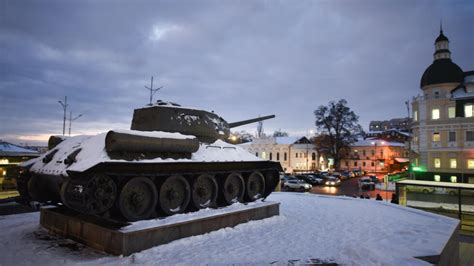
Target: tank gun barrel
point(249, 121)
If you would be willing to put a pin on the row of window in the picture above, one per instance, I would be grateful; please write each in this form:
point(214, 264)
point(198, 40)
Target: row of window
point(357, 164)
point(451, 136)
point(454, 178)
point(453, 163)
point(285, 157)
point(435, 112)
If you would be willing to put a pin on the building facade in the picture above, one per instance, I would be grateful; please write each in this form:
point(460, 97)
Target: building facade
point(443, 121)
point(295, 154)
point(402, 124)
point(375, 155)
point(10, 157)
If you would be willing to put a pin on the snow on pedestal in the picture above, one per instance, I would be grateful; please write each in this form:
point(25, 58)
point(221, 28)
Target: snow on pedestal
point(340, 229)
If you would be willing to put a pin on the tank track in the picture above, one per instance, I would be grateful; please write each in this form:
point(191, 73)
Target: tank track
point(124, 194)
point(22, 186)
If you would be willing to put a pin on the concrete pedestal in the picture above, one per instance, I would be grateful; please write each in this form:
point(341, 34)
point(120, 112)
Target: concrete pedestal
point(117, 239)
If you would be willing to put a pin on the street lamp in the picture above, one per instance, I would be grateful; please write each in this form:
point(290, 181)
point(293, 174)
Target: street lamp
point(72, 119)
point(307, 149)
point(64, 105)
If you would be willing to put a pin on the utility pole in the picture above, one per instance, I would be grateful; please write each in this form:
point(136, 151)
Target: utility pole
point(64, 105)
point(407, 103)
point(152, 91)
point(72, 119)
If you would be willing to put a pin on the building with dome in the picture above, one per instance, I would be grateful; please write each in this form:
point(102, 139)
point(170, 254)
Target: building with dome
point(443, 120)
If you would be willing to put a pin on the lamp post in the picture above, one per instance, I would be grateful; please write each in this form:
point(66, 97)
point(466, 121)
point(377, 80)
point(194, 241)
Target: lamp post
point(72, 119)
point(64, 105)
point(307, 149)
point(375, 154)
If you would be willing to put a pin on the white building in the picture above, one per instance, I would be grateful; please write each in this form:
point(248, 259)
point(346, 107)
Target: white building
point(295, 154)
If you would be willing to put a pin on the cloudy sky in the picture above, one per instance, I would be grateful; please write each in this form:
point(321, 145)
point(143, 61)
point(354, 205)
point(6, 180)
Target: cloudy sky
point(239, 58)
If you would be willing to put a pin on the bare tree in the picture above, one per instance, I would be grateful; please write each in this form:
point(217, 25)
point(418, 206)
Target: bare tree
point(339, 129)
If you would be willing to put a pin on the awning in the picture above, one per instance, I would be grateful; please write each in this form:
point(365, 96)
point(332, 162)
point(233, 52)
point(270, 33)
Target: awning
point(402, 160)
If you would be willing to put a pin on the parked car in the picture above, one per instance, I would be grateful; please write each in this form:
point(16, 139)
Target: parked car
point(420, 189)
point(358, 172)
point(286, 178)
point(347, 174)
point(299, 185)
point(366, 183)
point(454, 191)
point(374, 179)
point(332, 181)
point(311, 179)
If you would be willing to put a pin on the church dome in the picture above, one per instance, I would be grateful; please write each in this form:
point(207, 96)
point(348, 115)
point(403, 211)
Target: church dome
point(442, 71)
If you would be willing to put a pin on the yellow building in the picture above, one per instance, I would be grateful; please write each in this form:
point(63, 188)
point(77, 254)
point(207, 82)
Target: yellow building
point(375, 155)
point(443, 121)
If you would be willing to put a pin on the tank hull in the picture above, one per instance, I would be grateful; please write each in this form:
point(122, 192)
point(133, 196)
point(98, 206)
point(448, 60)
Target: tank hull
point(107, 175)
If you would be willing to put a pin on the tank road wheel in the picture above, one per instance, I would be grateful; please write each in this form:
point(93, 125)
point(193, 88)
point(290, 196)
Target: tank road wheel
point(255, 186)
point(36, 190)
point(99, 193)
point(204, 191)
point(137, 200)
point(233, 189)
point(175, 194)
point(22, 186)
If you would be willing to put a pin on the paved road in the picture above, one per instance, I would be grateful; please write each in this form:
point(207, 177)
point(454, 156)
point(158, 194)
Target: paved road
point(350, 188)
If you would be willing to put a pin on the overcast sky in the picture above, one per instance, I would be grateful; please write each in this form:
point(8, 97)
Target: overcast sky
point(239, 58)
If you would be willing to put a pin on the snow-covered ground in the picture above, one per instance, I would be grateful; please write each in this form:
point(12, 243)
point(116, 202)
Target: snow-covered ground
point(310, 227)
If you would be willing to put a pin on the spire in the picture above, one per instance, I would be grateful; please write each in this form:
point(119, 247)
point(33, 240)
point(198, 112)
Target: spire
point(441, 45)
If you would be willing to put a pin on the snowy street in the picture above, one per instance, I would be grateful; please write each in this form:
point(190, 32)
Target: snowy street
point(310, 228)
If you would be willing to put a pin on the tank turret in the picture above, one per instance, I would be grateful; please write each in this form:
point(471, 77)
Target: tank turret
point(170, 117)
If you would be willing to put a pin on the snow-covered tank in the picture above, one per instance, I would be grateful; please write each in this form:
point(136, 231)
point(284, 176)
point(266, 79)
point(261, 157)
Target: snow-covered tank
point(173, 160)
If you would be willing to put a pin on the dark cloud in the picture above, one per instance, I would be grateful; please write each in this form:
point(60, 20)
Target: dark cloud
point(240, 58)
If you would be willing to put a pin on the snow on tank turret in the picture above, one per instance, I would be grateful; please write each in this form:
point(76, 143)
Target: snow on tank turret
point(173, 160)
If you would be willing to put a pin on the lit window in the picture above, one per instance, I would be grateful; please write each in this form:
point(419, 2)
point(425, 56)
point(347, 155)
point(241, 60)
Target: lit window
point(468, 110)
point(436, 136)
point(415, 115)
point(470, 163)
point(435, 114)
point(437, 178)
point(454, 179)
point(451, 112)
point(437, 162)
point(453, 163)
point(263, 155)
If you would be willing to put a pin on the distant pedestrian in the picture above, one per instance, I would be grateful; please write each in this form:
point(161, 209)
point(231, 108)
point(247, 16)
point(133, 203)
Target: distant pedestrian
point(378, 197)
point(361, 196)
point(394, 198)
